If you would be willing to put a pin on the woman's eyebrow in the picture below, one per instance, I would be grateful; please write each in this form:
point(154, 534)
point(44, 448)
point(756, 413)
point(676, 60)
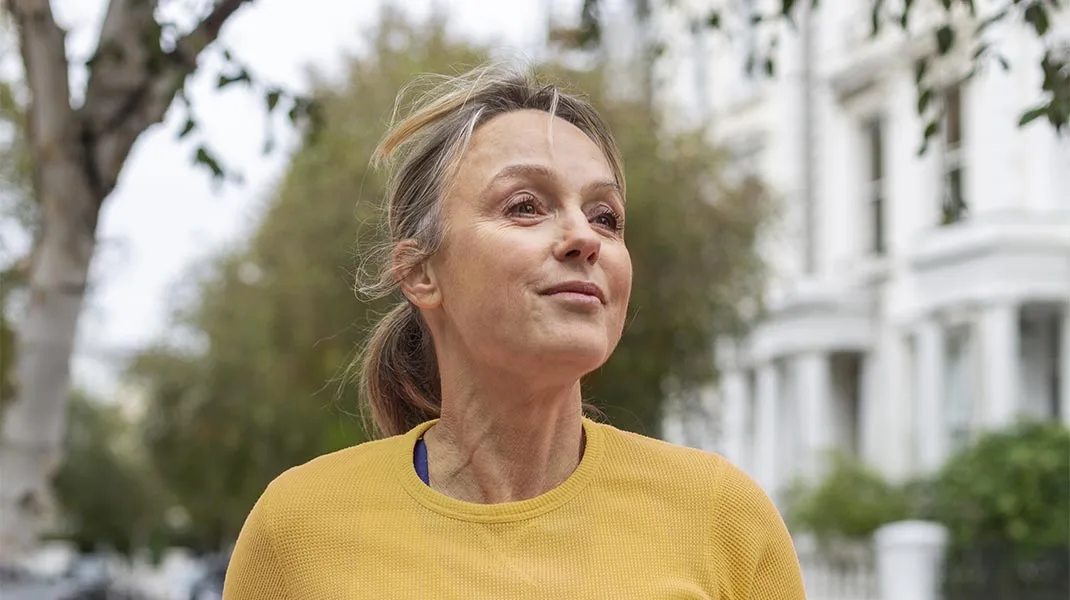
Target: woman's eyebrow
point(521, 170)
point(545, 173)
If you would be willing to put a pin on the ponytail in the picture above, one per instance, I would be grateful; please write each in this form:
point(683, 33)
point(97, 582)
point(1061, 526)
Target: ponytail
point(399, 374)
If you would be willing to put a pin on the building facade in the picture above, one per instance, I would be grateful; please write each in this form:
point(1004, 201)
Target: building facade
point(915, 299)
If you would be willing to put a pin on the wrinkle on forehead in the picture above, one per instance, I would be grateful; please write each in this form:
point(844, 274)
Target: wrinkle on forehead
point(492, 141)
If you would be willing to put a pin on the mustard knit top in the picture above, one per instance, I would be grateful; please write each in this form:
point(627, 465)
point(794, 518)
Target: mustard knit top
point(638, 518)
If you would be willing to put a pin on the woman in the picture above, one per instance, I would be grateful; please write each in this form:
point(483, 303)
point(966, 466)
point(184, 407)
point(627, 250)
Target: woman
point(506, 222)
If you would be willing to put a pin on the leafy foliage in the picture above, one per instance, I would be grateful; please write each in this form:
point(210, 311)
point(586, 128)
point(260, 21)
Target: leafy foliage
point(109, 494)
point(1006, 502)
point(1011, 487)
point(276, 322)
point(849, 504)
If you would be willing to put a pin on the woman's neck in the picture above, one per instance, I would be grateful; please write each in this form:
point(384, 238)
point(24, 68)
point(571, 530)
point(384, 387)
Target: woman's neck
point(491, 448)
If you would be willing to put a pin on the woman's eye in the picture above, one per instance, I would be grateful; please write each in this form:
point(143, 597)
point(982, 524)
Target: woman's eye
point(608, 220)
point(527, 207)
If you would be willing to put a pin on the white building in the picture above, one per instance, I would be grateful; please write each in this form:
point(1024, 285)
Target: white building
point(916, 300)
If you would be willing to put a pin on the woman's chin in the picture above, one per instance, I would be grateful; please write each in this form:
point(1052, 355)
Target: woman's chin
point(581, 353)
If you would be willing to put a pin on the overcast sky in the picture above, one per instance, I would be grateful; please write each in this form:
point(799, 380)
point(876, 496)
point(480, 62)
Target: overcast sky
point(165, 217)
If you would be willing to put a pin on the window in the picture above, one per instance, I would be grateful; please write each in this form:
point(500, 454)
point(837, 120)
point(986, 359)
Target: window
point(875, 186)
point(748, 50)
point(960, 382)
point(788, 447)
point(913, 404)
point(847, 385)
point(953, 201)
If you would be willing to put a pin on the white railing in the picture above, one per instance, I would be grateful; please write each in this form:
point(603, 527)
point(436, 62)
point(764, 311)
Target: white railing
point(903, 561)
point(841, 573)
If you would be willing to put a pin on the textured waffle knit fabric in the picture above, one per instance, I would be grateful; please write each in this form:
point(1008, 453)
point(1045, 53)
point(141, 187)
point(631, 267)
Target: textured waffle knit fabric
point(638, 518)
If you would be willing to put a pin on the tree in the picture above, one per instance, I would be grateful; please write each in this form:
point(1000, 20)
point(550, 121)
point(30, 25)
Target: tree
point(963, 25)
point(109, 496)
point(276, 322)
point(77, 152)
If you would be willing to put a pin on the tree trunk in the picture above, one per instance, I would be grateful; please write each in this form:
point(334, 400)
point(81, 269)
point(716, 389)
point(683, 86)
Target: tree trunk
point(77, 157)
point(31, 437)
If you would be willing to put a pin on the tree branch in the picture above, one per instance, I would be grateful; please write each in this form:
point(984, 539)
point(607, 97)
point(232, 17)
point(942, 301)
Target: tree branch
point(131, 90)
point(51, 124)
point(202, 36)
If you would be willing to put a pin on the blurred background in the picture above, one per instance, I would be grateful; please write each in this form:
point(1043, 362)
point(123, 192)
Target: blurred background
point(850, 226)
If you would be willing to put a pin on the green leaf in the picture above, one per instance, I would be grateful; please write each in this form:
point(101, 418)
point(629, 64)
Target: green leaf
point(930, 130)
point(770, 68)
point(924, 99)
point(272, 98)
point(786, 6)
point(714, 20)
point(875, 17)
point(1032, 114)
point(945, 39)
point(204, 157)
point(225, 80)
point(1037, 16)
point(920, 69)
point(187, 128)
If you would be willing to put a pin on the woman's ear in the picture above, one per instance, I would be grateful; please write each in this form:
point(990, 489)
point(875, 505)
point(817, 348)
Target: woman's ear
point(415, 276)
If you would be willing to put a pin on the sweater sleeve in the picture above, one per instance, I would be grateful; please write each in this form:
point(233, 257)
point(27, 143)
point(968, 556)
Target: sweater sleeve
point(751, 543)
point(255, 571)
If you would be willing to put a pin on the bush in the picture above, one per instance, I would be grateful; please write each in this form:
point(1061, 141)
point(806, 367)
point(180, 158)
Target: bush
point(849, 504)
point(1006, 503)
point(1010, 487)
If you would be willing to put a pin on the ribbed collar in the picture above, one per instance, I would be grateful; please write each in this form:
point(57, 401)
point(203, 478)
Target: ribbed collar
point(594, 449)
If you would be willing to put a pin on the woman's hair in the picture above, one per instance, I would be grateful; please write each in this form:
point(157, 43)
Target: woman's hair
point(398, 371)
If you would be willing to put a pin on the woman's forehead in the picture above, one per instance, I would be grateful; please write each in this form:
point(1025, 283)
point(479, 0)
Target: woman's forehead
point(531, 137)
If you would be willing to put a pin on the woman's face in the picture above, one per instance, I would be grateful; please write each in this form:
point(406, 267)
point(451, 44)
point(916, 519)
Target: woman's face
point(533, 273)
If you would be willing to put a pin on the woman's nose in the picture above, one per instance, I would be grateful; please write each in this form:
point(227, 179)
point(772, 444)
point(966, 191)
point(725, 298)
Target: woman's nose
point(579, 240)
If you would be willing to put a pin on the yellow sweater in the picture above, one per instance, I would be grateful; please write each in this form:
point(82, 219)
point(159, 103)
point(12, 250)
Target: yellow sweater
point(638, 518)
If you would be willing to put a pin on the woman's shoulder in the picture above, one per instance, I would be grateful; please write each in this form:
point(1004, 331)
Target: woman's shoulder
point(656, 455)
point(729, 490)
point(748, 540)
point(340, 476)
